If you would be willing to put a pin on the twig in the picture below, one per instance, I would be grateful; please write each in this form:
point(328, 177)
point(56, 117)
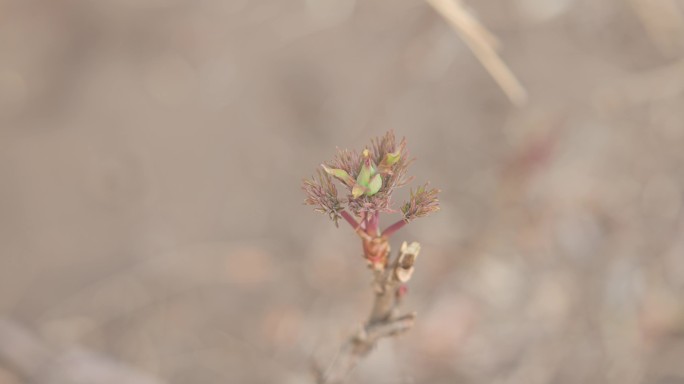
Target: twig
point(483, 45)
point(369, 177)
point(383, 320)
point(350, 219)
point(389, 231)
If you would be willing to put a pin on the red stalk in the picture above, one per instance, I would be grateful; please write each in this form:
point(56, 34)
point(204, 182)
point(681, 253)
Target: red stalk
point(372, 223)
point(350, 219)
point(389, 231)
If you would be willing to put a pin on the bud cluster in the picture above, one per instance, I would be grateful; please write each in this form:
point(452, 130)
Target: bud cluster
point(368, 179)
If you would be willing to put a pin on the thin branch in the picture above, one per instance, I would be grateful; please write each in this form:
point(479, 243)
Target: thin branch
point(350, 219)
point(389, 231)
point(372, 224)
point(383, 320)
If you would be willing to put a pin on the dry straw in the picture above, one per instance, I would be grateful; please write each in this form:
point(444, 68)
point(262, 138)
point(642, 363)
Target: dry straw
point(484, 45)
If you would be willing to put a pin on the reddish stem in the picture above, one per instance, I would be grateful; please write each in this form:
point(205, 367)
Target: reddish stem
point(389, 231)
point(372, 223)
point(350, 219)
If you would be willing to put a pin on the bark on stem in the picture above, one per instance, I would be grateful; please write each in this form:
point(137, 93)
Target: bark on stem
point(383, 320)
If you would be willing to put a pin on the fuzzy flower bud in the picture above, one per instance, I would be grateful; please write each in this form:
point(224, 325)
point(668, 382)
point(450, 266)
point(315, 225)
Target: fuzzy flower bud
point(369, 178)
point(369, 181)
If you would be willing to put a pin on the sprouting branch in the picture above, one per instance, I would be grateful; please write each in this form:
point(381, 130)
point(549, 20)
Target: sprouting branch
point(368, 178)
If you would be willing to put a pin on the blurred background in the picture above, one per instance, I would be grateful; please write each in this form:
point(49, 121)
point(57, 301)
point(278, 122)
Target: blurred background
point(151, 220)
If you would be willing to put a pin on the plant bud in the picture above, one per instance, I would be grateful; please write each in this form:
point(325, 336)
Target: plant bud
point(368, 181)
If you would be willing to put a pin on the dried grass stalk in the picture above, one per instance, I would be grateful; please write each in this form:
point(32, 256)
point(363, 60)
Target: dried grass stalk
point(484, 45)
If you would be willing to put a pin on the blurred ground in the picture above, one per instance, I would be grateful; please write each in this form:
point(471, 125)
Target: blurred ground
point(151, 153)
